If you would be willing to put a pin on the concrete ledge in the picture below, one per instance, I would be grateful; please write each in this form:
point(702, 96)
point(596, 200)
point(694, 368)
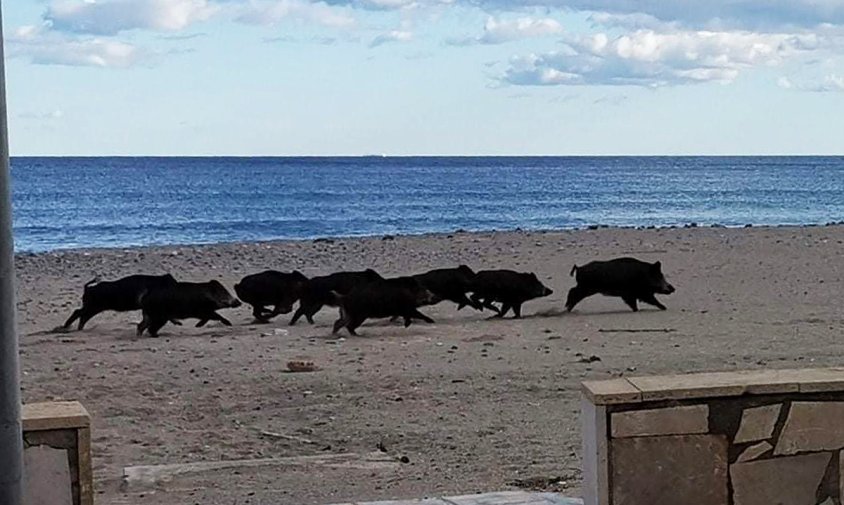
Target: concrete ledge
point(54, 416)
point(716, 384)
point(57, 454)
point(730, 438)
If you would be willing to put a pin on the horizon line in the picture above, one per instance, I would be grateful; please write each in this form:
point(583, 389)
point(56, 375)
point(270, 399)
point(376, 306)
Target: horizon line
point(385, 156)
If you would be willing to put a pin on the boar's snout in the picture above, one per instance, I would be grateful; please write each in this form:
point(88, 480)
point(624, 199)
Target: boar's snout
point(547, 292)
point(665, 288)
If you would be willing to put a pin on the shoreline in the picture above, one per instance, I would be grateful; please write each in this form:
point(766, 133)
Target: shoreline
point(431, 235)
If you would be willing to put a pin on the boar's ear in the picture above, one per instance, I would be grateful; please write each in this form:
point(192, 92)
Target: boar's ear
point(658, 266)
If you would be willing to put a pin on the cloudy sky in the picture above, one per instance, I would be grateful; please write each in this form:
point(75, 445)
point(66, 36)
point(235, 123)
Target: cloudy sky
point(303, 77)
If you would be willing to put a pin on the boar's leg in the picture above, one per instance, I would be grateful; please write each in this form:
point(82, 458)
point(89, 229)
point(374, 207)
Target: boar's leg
point(576, 294)
point(258, 312)
point(307, 310)
point(341, 321)
point(338, 324)
point(143, 325)
point(354, 323)
point(213, 316)
point(299, 313)
point(505, 307)
point(477, 302)
point(73, 317)
point(631, 301)
point(85, 314)
point(484, 303)
point(650, 299)
point(415, 314)
point(517, 311)
point(462, 301)
point(155, 325)
point(279, 308)
point(310, 315)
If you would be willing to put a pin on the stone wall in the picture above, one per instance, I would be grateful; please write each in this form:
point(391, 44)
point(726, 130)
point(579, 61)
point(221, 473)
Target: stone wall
point(57, 454)
point(743, 438)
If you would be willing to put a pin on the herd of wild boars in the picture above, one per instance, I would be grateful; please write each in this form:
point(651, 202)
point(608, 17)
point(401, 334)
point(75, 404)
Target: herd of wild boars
point(361, 295)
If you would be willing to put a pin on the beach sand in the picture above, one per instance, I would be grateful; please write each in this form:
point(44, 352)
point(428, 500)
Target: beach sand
point(473, 404)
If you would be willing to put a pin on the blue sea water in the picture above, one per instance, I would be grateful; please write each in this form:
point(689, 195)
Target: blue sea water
point(64, 203)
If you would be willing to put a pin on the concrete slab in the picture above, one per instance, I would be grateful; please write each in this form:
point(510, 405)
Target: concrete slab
point(47, 476)
point(497, 498)
point(135, 477)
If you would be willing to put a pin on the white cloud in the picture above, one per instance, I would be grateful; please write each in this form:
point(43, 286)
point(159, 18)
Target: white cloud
point(380, 4)
point(115, 16)
point(499, 32)
point(768, 15)
point(634, 21)
point(271, 12)
point(648, 58)
point(391, 5)
point(392, 36)
point(832, 83)
point(47, 47)
point(715, 15)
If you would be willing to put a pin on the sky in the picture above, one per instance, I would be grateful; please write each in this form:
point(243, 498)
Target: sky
point(424, 77)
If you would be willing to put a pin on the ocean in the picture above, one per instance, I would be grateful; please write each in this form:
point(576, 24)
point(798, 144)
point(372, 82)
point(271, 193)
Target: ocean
point(74, 202)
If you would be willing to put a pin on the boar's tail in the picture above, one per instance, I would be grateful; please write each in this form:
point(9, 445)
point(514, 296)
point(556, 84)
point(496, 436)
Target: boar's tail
point(573, 270)
point(93, 281)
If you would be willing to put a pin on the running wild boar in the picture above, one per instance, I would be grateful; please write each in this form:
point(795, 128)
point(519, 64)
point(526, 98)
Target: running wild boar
point(400, 297)
point(121, 295)
point(279, 289)
point(450, 284)
point(510, 288)
point(317, 291)
point(628, 278)
point(185, 300)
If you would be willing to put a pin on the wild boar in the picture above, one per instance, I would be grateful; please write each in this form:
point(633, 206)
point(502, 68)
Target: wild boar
point(510, 288)
point(400, 297)
point(450, 284)
point(317, 291)
point(185, 300)
point(628, 278)
point(279, 289)
point(121, 295)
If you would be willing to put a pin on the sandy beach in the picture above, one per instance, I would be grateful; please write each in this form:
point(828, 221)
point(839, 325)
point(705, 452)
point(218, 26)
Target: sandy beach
point(469, 404)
